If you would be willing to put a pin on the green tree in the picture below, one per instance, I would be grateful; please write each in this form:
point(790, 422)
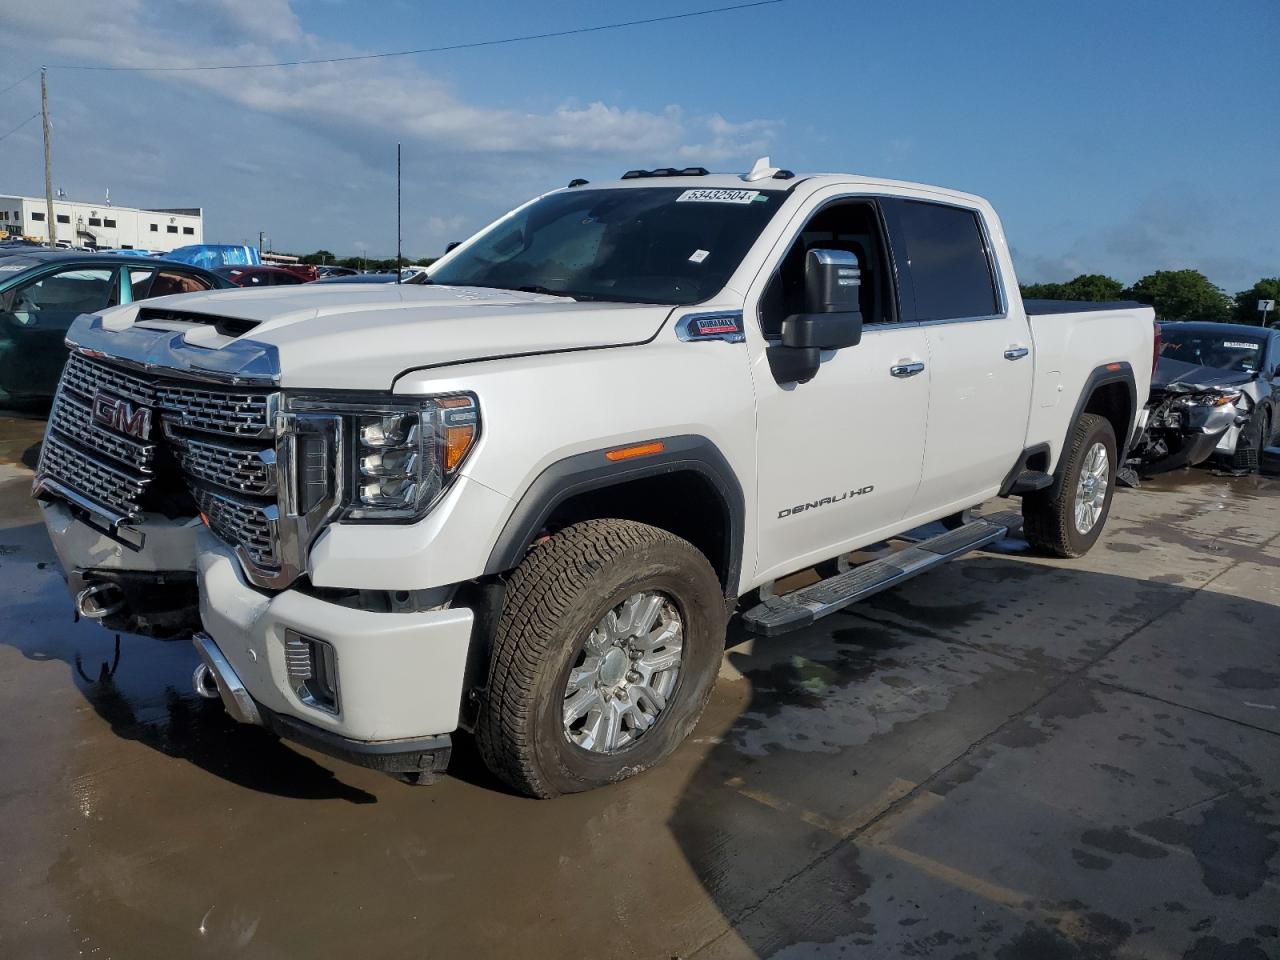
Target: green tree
point(1041, 291)
point(319, 257)
point(1182, 295)
point(1095, 287)
point(1087, 286)
point(1246, 309)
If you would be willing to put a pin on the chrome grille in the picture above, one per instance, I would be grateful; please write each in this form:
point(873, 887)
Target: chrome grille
point(119, 491)
point(242, 524)
point(234, 414)
point(234, 468)
point(73, 420)
point(86, 377)
point(216, 442)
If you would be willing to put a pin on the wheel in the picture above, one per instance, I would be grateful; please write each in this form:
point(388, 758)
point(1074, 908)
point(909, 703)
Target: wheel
point(1066, 519)
point(604, 656)
point(1253, 437)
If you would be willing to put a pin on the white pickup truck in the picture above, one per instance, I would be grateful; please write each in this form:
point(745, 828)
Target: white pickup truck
point(524, 500)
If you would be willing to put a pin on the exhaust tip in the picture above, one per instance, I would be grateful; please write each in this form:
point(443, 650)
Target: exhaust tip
point(205, 683)
point(99, 600)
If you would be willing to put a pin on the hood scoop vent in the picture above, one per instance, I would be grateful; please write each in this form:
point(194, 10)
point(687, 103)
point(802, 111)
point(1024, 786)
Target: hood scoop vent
point(227, 326)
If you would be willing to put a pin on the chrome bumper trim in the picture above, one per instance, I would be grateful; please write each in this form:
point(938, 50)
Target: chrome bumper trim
point(235, 697)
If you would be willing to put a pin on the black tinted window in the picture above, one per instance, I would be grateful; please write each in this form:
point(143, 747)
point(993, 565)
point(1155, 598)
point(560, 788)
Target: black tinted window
point(950, 270)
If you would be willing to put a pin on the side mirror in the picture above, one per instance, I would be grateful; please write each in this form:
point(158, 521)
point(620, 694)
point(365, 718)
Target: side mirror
point(832, 318)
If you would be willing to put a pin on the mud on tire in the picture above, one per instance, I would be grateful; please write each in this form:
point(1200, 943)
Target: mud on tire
point(554, 600)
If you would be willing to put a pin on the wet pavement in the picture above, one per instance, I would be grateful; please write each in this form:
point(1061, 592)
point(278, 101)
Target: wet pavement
point(1011, 757)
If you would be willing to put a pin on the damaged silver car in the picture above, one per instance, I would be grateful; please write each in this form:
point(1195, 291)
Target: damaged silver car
point(1214, 394)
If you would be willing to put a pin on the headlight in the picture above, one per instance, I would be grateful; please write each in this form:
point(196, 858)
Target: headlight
point(1213, 399)
point(400, 454)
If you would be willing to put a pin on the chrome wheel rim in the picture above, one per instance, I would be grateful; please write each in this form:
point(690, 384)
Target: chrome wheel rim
point(1091, 488)
point(624, 674)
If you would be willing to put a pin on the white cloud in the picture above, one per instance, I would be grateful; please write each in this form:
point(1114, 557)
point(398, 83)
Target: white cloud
point(391, 97)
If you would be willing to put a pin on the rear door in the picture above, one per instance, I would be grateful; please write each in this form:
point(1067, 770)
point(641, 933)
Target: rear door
point(980, 361)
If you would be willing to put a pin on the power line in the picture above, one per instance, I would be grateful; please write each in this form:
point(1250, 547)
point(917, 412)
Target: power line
point(20, 80)
point(410, 53)
point(20, 126)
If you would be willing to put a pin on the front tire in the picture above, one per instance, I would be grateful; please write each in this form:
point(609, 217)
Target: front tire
point(604, 656)
point(1066, 519)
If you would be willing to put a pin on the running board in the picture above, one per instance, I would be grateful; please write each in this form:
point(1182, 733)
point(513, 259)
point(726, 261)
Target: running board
point(792, 611)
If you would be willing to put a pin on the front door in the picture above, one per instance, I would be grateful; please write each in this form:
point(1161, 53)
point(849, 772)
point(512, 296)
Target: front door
point(838, 457)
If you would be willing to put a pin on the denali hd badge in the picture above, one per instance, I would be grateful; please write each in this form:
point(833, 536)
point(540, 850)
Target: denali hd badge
point(813, 504)
point(119, 414)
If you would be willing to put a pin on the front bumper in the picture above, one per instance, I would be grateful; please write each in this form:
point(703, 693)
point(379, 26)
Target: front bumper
point(400, 674)
point(420, 758)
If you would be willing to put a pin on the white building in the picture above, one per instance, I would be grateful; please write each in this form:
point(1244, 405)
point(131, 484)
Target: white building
point(103, 224)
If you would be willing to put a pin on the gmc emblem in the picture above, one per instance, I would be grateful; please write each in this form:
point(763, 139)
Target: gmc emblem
point(121, 416)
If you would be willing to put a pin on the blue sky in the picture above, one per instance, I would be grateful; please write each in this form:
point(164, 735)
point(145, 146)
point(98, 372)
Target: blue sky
point(1117, 137)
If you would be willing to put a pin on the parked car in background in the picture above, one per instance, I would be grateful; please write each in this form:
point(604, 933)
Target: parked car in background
point(414, 278)
point(259, 276)
point(306, 271)
point(333, 270)
point(42, 291)
point(1215, 393)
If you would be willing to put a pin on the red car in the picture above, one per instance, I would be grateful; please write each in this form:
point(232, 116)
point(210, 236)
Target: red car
point(245, 276)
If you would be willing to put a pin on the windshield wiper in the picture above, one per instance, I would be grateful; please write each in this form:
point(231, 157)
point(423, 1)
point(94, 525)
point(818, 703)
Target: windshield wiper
point(547, 291)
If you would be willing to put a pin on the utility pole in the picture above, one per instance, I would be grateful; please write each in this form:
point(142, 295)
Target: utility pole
point(397, 213)
point(51, 220)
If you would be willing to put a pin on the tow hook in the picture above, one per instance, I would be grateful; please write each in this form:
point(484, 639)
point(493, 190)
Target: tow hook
point(99, 600)
point(205, 683)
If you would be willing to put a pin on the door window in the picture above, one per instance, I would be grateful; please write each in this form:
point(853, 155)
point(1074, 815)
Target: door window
point(70, 292)
point(848, 225)
point(148, 282)
point(950, 266)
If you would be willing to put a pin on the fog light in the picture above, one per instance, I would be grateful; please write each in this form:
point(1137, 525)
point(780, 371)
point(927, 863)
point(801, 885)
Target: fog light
point(313, 671)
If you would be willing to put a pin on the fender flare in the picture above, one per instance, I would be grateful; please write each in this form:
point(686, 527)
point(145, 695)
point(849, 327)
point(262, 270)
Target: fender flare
point(589, 471)
point(1121, 372)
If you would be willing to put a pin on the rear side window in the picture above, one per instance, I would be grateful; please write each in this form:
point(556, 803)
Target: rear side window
point(950, 267)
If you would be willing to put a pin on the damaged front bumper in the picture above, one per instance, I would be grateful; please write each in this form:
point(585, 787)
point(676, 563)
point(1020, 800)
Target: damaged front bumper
point(379, 689)
point(1183, 435)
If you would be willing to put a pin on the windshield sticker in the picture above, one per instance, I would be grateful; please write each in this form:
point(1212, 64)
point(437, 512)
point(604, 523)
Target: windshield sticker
point(699, 255)
point(1241, 345)
point(705, 195)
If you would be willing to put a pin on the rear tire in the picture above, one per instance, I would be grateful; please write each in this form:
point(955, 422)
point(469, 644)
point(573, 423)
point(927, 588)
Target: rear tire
point(570, 610)
point(1066, 519)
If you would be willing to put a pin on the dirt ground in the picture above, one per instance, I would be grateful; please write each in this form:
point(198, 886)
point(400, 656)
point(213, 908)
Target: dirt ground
point(1011, 757)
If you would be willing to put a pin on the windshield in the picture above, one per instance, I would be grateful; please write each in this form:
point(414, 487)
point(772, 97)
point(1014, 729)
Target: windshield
point(642, 245)
point(1223, 351)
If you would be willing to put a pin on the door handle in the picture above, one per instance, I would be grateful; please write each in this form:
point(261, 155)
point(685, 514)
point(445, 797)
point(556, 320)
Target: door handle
point(904, 370)
point(1016, 353)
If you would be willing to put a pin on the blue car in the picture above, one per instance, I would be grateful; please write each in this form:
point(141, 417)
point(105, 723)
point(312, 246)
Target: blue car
point(42, 291)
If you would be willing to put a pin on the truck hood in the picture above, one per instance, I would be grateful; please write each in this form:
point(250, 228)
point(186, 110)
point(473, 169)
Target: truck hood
point(1178, 376)
point(356, 336)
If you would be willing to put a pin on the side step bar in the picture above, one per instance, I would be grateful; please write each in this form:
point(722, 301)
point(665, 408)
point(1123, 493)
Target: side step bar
point(779, 615)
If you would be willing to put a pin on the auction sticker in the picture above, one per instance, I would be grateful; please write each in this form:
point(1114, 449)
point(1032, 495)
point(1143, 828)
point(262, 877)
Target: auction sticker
point(705, 195)
point(1241, 345)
